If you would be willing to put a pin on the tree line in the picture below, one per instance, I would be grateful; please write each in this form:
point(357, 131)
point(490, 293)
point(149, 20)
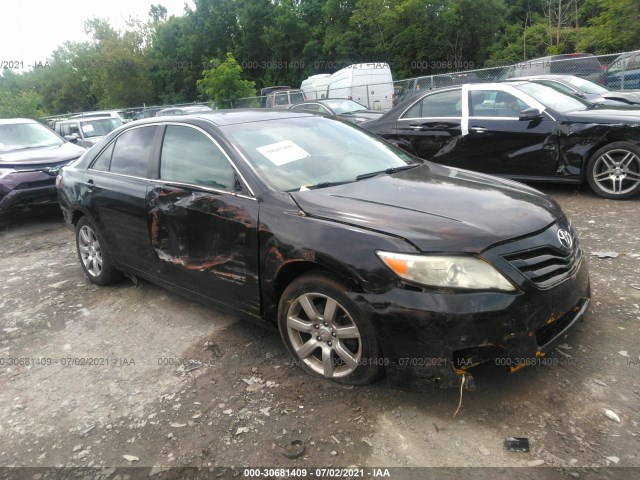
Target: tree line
point(217, 43)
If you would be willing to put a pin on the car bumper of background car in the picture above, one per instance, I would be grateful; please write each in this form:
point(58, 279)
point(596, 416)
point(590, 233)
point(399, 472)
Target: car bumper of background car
point(431, 338)
point(23, 191)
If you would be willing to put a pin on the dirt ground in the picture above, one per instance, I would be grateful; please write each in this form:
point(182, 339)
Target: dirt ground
point(133, 375)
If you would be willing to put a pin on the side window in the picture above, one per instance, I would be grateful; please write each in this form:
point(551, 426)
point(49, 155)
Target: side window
point(73, 128)
point(103, 161)
point(495, 103)
point(560, 87)
point(444, 104)
point(634, 63)
point(189, 156)
point(131, 154)
point(64, 129)
point(281, 99)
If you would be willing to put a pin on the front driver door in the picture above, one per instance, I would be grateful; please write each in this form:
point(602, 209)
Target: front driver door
point(498, 142)
point(203, 221)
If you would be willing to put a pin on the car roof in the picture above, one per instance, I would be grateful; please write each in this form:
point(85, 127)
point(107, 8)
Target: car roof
point(560, 77)
point(294, 90)
point(231, 117)
point(13, 121)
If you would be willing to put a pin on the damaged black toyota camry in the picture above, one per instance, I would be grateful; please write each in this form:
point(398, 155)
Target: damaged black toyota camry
point(368, 260)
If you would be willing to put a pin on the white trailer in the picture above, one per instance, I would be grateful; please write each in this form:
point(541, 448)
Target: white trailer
point(315, 87)
point(370, 84)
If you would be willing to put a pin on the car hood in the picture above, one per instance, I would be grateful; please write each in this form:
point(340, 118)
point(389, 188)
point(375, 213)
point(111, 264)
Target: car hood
point(632, 97)
point(436, 208)
point(366, 114)
point(40, 156)
point(606, 114)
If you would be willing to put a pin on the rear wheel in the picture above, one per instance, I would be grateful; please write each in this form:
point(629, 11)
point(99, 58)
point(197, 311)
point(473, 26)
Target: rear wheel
point(614, 171)
point(326, 332)
point(95, 261)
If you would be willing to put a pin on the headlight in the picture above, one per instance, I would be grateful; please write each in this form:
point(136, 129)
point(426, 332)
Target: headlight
point(446, 271)
point(6, 171)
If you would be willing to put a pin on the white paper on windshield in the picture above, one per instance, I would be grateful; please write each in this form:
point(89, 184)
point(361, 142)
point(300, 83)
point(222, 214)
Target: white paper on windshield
point(88, 128)
point(282, 153)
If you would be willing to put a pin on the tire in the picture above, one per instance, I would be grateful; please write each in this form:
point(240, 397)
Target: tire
point(614, 171)
point(94, 259)
point(342, 347)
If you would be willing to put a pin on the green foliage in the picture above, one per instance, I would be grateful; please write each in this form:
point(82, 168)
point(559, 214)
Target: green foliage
point(222, 82)
point(614, 28)
point(24, 104)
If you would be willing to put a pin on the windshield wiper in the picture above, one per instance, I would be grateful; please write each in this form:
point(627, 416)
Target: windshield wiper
point(387, 171)
point(319, 185)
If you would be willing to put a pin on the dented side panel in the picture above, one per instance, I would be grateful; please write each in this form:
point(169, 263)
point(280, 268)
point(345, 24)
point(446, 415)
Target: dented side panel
point(578, 141)
point(207, 241)
point(289, 239)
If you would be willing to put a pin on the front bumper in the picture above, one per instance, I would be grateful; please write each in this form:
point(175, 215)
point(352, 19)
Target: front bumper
point(27, 190)
point(430, 338)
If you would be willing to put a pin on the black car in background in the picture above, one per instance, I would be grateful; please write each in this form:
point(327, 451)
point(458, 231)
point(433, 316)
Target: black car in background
point(342, 108)
point(185, 110)
point(148, 113)
point(520, 130)
point(31, 156)
point(366, 258)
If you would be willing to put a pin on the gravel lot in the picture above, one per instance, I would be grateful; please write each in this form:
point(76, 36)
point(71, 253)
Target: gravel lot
point(133, 375)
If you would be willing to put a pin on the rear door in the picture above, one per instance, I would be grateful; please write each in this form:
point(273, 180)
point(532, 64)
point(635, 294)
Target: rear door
point(431, 127)
point(117, 184)
point(204, 221)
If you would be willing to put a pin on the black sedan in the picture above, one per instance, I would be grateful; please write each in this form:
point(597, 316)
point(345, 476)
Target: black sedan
point(343, 108)
point(365, 258)
point(521, 130)
point(583, 88)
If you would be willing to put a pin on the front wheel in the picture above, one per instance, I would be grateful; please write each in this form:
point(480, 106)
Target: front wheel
point(614, 171)
point(94, 259)
point(326, 332)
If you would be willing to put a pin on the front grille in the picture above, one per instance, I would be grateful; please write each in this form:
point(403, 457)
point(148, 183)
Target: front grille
point(546, 266)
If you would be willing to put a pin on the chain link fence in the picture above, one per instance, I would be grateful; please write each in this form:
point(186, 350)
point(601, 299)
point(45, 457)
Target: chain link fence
point(619, 71)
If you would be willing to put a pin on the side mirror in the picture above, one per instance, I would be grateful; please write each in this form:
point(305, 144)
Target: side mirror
point(530, 114)
point(73, 138)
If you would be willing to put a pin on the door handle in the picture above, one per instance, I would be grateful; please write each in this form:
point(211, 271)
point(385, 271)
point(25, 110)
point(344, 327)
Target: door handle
point(90, 184)
point(428, 126)
point(479, 129)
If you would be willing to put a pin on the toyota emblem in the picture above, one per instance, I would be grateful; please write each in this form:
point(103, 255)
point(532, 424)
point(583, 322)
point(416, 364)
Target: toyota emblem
point(565, 239)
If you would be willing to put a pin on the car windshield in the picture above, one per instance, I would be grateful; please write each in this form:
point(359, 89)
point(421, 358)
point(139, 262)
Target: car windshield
point(99, 128)
point(21, 136)
point(297, 153)
point(552, 98)
point(585, 86)
point(344, 106)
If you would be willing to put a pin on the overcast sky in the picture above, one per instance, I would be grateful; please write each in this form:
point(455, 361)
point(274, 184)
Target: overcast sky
point(32, 29)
